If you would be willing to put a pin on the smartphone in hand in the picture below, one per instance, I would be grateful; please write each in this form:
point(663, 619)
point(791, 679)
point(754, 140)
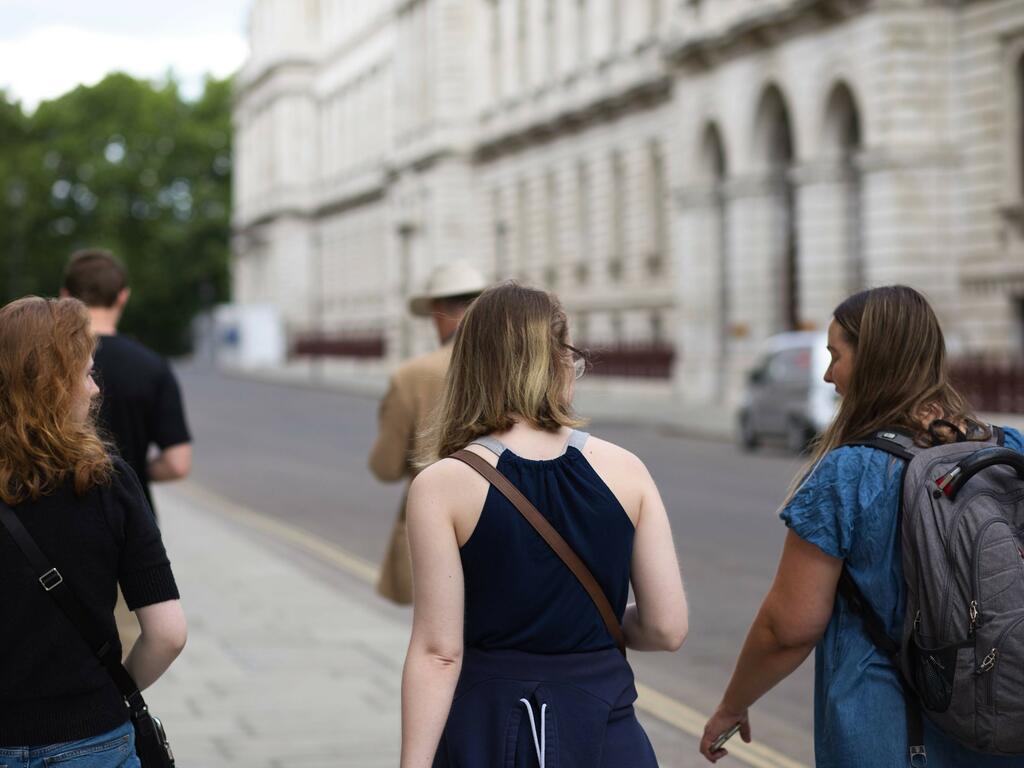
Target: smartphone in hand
point(718, 743)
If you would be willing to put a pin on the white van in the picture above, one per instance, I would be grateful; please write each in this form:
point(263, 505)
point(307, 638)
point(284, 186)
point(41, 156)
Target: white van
point(786, 397)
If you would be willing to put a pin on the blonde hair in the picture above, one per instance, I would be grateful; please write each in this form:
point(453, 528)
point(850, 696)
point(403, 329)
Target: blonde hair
point(511, 360)
point(900, 374)
point(45, 346)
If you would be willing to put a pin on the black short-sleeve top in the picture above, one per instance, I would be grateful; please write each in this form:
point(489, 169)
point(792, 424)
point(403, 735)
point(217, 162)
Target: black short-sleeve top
point(52, 689)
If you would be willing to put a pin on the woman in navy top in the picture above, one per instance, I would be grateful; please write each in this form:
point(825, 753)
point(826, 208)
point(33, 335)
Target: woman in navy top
point(510, 663)
point(889, 365)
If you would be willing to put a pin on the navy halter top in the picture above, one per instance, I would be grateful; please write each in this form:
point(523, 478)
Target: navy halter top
point(518, 593)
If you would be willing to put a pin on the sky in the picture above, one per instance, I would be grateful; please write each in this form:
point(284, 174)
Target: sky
point(48, 47)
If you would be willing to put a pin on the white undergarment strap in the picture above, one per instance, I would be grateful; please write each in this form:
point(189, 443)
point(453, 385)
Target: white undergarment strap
point(492, 444)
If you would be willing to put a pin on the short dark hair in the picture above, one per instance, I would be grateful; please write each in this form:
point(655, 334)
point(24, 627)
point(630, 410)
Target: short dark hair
point(95, 277)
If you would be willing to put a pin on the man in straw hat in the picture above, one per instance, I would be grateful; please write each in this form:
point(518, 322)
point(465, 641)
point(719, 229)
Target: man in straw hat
point(414, 390)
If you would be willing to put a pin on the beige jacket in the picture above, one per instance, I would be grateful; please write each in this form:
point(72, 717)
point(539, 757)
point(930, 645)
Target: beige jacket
point(414, 391)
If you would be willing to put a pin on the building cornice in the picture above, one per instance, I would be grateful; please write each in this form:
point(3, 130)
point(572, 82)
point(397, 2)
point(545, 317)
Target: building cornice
point(704, 49)
point(271, 215)
point(353, 195)
point(246, 86)
point(567, 118)
point(619, 297)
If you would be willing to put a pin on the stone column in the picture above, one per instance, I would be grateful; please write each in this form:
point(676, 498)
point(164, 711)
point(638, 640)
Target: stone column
point(908, 210)
point(827, 231)
point(699, 283)
point(757, 229)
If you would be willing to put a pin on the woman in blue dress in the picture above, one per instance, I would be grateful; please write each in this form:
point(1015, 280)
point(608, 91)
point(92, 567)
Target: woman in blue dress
point(510, 664)
point(889, 366)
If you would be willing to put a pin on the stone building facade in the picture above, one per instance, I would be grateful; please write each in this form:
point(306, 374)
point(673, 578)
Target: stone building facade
point(690, 176)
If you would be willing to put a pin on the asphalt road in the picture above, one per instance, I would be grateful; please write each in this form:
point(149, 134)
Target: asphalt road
point(300, 454)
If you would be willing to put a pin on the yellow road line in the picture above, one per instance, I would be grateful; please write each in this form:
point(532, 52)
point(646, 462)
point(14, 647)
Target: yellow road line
point(690, 721)
point(654, 703)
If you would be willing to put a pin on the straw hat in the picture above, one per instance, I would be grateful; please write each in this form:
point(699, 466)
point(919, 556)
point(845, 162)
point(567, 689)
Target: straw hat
point(456, 278)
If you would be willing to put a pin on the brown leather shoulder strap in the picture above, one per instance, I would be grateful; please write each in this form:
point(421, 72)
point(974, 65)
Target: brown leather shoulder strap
point(553, 539)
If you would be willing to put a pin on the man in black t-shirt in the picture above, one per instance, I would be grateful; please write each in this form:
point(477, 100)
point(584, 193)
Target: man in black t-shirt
point(141, 402)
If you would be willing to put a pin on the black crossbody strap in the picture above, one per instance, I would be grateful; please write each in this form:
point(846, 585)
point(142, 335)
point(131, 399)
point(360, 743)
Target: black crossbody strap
point(875, 629)
point(896, 443)
point(872, 623)
point(52, 582)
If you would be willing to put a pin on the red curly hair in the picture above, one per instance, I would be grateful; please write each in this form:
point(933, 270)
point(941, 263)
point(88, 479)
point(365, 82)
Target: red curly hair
point(45, 345)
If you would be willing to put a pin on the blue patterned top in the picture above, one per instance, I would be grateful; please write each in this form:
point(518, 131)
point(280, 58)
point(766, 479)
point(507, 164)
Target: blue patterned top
point(848, 508)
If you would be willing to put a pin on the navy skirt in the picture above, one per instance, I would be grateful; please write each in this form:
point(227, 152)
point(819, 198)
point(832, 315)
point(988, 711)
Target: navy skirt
point(524, 710)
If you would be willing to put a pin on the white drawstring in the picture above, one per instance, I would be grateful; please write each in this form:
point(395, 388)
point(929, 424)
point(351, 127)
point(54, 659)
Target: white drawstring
point(540, 746)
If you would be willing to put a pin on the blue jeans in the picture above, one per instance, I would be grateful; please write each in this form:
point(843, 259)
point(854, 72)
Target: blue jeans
point(114, 749)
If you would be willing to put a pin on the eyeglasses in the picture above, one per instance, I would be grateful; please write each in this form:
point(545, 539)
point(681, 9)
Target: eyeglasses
point(580, 363)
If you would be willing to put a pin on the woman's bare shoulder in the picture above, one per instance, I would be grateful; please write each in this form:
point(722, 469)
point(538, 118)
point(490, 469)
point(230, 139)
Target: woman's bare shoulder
point(605, 452)
point(622, 471)
point(447, 477)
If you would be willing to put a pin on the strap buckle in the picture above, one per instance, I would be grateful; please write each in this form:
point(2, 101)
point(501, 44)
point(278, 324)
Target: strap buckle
point(918, 757)
point(51, 579)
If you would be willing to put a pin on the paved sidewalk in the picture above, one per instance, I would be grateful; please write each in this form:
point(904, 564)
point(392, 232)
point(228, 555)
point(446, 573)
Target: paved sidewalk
point(284, 666)
point(292, 659)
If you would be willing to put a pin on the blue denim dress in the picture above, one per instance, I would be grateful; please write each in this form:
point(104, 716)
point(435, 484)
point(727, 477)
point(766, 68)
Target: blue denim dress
point(848, 508)
point(542, 684)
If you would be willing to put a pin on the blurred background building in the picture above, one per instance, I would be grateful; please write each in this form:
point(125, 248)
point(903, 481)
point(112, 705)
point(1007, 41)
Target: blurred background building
point(690, 176)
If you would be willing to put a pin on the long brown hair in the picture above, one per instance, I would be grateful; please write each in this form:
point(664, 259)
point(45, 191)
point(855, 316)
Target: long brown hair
point(900, 373)
point(45, 345)
point(512, 359)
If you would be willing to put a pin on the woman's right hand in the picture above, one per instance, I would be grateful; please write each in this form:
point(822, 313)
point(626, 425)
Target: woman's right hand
point(720, 722)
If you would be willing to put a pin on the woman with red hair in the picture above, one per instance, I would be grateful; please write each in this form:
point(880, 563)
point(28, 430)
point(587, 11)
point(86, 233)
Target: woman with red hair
point(86, 511)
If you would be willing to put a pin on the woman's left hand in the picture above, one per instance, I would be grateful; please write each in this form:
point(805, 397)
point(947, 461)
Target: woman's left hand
point(720, 722)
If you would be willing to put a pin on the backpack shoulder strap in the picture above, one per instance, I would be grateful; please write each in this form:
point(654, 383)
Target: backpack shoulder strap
point(553, 539)
point(52, 582)
point(875, 628)
point(896, 443)
point(998, 436)
point(893, 441)
point(873, 624)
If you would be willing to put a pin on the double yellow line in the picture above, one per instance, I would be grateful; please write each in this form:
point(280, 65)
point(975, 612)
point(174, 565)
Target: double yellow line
point(654, 703)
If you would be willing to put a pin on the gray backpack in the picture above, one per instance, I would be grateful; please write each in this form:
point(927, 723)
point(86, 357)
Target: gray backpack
point(962, 650)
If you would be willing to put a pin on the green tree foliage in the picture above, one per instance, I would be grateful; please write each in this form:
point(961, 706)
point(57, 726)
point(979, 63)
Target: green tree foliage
point(129, 166)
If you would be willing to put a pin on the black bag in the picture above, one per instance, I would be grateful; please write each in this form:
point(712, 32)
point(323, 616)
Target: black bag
point(150, 740)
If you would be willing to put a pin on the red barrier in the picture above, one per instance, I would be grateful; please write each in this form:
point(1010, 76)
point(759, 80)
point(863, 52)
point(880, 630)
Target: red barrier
point(632, 361)
point(367, 347)
point(991, 385)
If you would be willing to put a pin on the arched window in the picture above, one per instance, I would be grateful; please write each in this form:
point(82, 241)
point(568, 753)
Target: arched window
point(842, 121)
point(551, 37)
point(582, 32)
point(617, 256)
point(523, 233)
point(775, 139)
point(654, 16)
point(1019, 82)
point(615, 22)
point(714, 169)
point(522, 44)
point(497, 51)
point(584, 223)
point(500, 233)
point(658, 222)
point(551, 258)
